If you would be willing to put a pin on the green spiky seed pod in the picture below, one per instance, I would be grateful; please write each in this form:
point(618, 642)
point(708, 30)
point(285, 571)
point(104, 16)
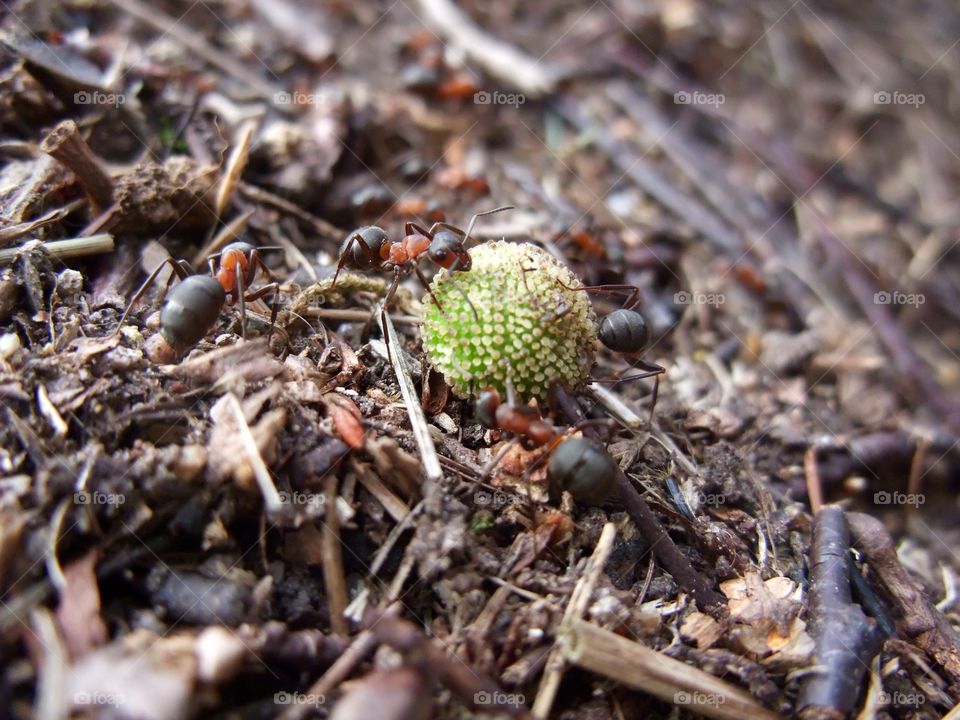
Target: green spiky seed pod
point(519, 323)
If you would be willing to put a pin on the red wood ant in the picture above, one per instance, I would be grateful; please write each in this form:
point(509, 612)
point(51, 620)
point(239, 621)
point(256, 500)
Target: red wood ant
point(369, 248)
point(192, 307)
point(578, 465)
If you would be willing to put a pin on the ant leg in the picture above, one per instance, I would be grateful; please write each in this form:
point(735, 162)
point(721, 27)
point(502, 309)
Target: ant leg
point(275, 302)
point(632, 299)
point(243, 303)
point(487, 470)
point(345, 255)
point(426, 285)
point(411, 227)
point(180, 267)
point(256, 261)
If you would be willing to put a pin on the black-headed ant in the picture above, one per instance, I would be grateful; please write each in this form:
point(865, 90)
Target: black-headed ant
point(370, 248)
point(578, 465)
point(192, 307)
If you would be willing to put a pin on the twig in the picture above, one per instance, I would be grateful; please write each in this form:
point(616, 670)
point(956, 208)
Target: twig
point(52, 700)
point(663, 547)
point(505, 62)
point(614, 405)
point(165, 24)
point(613, 656)
point(338, 672)
point(271, 496)
point(355, 316)
point(266, 197)
point(67, 146)
point(236, 162)
point(13, 232)
point(579, 599)
point(228, 233)
point(846, 639)
point(812, 476)
point(63, 249)
point(418, 422)
point(333, 578)
point(676, 201)
point(922, 622)
point(469, 685)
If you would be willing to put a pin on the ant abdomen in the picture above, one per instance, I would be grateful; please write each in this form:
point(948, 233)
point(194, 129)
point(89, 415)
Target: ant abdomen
point(365, 254)
point(583, 468)
point(190, 310)
point(624, 331)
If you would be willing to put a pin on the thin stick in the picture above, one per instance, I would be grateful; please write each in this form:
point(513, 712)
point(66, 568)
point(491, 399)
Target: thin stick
point(271, 496)
point(340, 670)
point(165, 24)
point(228, 233)
point(236, 162)
point(333, 578)
point(501, 60)
point(70, 149)
point(613, 656)
point(812, 475)
point(355, 316)
point(579, 599)
point(614, 405)
point(418, 421)
point(63, 249)
point(12, 232)
point(846, 639)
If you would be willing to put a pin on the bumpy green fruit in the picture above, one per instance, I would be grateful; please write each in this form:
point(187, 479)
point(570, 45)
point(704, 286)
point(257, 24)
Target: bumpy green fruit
point(519, 323)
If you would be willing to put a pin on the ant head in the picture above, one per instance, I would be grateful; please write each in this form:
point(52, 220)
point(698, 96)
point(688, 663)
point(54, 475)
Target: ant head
point(241, 247)
point(488, 400)
point(364, 246)
point(447, 251)
point(624, 330)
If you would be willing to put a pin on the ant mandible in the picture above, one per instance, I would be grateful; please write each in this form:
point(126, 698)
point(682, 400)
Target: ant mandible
point(369, 248)
point(193, 306)
point(578, 465)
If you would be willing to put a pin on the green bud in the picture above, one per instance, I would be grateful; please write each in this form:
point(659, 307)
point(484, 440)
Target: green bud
point(519, 324)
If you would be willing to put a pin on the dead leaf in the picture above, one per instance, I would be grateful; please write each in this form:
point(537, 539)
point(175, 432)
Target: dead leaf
point(78, 611)
point(346, 420)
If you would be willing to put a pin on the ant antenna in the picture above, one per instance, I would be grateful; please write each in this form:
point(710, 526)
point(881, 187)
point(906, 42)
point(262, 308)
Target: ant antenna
point(473, 220)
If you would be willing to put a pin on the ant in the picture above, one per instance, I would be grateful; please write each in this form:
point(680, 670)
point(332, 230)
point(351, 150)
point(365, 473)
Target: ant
point(194, 304)
point(578, 465)
point(369, 248)
point(625, 331)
